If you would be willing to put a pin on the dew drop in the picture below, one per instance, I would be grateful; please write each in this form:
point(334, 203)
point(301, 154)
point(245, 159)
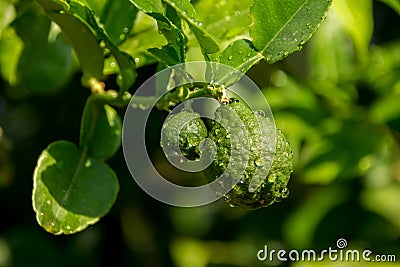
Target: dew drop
point(137, 60)
point(260, 112)
point(258, 162)
point(230, 57)
point(112, 64)
point(126, 30)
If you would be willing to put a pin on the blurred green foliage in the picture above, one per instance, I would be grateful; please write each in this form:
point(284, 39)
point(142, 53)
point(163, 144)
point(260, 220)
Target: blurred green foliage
point(337, 100)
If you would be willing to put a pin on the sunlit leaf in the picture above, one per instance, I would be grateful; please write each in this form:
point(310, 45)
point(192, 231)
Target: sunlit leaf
point(186, 11)
point(11, 47)
point(240, 55)
point(101, 130)
point(227, 20)
point(167, 55)
point(117, 18)
point(71, 190)
point(281, 28)
point(7, 14)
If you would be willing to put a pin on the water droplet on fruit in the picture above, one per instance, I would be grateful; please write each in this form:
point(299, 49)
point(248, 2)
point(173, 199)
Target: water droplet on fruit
point(272, 178)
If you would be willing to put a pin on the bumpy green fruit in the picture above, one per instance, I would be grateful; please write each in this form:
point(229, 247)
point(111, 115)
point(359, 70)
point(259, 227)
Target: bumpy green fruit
point(188, 130)
point(253, 190)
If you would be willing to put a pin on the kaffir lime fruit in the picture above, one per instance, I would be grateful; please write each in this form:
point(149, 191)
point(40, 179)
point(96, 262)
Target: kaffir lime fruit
point(185, 129)
point(254, 189)
point(253, 159)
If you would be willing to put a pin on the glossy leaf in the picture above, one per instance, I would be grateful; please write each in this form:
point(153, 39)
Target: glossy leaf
point(185, 9)
point(280, 28)
point(127, 71)
point(149, 6)
point(98, 6)
point(117, 18)
point(167, 55)
point(240, 55)
point(101, 130)
point(71, 191)
point(228, 19)
point(169, 25)
point(81, 26)
point(173, 33)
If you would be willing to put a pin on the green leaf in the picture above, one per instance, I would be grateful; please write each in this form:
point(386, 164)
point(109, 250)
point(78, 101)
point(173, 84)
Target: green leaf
point(41, 56)
point(98, 6)
point(185, 9)
point(228, 19)
point(280, 28)
point(167, 55)
point(173, 33)
point(117, 18)
point(169, 24)
point(71, 190)
point(7, 14)
point(240, 55)
point(144, 35)
point(88, 37)
point(149, 6)
point(101, 130)
point(81, 37)
point(11, 47)
point(395, 4)
point(127, 74)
